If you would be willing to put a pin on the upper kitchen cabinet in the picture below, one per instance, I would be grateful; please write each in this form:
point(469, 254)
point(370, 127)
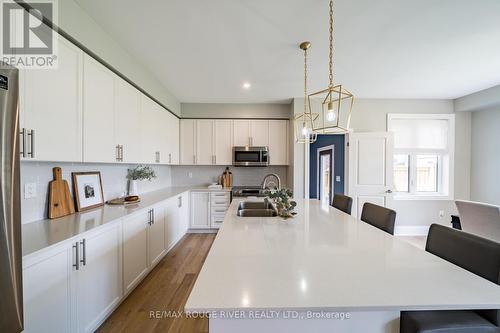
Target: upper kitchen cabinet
point(98, 113)
point(223, 142)
point(278, 142)
point(241, 133)
point(51, 108)
point(205, 142)
point(188, 141)
point(127, 121)
point(172, 137)
point(151, 134)
point(259, 133)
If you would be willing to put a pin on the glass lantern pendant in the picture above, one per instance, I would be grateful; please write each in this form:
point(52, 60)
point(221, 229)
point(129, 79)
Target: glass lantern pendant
point(304, 122)
point(333, 103)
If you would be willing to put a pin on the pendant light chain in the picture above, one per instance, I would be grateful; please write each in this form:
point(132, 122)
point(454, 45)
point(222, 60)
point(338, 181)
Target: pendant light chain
point(331, 44)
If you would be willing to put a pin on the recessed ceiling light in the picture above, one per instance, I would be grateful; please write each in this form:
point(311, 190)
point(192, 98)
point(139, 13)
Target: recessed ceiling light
point(246, 85)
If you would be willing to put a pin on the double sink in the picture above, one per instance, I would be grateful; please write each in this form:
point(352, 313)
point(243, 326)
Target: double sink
point(256, 209)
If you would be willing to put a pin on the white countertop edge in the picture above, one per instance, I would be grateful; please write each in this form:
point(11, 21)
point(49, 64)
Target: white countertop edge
point(35, 237)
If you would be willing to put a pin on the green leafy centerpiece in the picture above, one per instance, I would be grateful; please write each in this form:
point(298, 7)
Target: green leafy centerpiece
point(140, 172)
point(281, 198)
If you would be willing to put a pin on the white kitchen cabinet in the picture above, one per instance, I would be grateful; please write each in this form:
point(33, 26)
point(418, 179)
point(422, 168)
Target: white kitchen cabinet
point(259, 133)
point(177, 219)
point(219, 203)
point(98, 113)
point(135, 250)
point(278, 142)
point(172, 133)
point(99, 277)
point(150, 137)
point(127, 121)
point(205, 142)
point(223, 142)
point(188, 141)
point(49, 291)
point(200, 210)
point(156, 236)
point(184, 213)
point(51, 108)
point(241, 133)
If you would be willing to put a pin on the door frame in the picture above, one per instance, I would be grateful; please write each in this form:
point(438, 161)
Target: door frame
point(318, 168)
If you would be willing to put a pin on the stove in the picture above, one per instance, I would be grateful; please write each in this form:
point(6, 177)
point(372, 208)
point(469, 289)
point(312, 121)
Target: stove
point(248, 191)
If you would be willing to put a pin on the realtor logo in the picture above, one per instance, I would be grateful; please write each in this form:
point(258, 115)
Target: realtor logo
point(27, 42)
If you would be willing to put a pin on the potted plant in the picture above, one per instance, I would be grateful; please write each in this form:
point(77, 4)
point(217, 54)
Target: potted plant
point(281, 198)
point(140, 172)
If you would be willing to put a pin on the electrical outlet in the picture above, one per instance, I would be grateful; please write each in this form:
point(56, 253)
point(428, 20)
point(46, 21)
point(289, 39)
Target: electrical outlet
point(337, 179)
point(29, 190)
point(441, 214)
point(190, 174)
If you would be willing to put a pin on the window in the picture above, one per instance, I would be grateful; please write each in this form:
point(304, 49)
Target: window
point(423, 155)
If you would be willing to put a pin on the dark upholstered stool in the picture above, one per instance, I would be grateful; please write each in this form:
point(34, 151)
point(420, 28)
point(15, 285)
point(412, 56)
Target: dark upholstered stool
point(342, 202)
point(380, 217)
point(473, 253)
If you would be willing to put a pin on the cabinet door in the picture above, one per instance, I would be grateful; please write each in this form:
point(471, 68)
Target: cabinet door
point(259, 133)
point(223, 142)
point(204, 142)
point(200, 210)
point(172, 222)
point(98, 113)
point(100, 277)
point(47, 292)
point(150, 137)
point(135, 250)
point(51, 105)
point(278, 142)
point(184, 213)
point(156, 240)
point(172, 136)
point(241, 133)
point(188, 137)
point(127, 120)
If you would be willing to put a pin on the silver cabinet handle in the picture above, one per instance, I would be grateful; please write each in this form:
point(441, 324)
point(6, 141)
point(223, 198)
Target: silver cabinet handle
point(149, 217)
point(23, 142)
point(179, 204)
point(194, 159)
point(169, 158)
point(121, 153)
point(388, 191)
point(117, 153)
point(31, 134)
point(84, 252)
point(153, 216)
point(77, 256)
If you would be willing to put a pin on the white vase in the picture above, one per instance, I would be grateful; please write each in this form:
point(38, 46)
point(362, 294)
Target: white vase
point(132, 187)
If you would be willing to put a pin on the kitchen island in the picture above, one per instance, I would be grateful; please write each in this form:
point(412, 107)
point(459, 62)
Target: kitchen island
point(324, 271)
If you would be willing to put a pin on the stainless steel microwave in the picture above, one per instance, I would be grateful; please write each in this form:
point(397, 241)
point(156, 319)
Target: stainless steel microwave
point(251, 156)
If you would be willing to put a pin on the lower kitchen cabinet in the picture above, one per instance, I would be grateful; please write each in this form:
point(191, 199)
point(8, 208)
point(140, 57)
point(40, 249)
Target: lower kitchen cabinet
point(177, 219)
point(200, 210)
point(135, 250)
point(100, 277)
point(74, 286)
point(156, 237)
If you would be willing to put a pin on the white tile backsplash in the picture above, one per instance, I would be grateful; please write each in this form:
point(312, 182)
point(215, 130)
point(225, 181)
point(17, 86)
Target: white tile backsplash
point(114, 183)
point(202, 174)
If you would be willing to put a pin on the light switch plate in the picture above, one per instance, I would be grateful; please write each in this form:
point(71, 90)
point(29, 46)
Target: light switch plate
point(29, 190)
point(190, 174)
point(337, 179)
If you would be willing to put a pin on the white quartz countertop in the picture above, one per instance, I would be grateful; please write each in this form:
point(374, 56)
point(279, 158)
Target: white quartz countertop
point(44, 233)
point(325, 259)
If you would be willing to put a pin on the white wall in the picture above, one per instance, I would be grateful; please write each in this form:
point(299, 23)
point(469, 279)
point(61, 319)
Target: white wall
point(113, 176)
point(216, 110)
point(79, 25)
point(485, 170)
point(370, 115)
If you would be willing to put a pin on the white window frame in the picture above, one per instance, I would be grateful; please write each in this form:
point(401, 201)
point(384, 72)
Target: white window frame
point(446, 160)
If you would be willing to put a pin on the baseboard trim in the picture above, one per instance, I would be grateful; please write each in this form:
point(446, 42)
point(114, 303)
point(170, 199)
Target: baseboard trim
point(411, 230)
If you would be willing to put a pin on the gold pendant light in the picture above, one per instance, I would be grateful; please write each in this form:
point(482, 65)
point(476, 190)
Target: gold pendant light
point(333, 103)
point(304, 122)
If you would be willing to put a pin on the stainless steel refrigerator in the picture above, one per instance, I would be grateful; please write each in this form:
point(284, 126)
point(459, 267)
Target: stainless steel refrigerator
point(11, 288)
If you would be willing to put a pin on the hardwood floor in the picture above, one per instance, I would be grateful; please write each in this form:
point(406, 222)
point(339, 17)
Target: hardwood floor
point(166, 290)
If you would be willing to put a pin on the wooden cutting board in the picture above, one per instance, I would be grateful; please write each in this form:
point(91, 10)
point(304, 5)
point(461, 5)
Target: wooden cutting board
point(60, 202)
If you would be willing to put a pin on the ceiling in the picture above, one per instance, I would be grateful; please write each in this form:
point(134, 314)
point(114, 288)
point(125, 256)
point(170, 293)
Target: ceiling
point(203, 51)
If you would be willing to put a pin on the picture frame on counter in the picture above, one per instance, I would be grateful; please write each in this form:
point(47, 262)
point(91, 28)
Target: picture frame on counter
point(87, 187)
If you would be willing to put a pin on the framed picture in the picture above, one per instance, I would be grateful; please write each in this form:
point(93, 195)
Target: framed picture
point(88, 190)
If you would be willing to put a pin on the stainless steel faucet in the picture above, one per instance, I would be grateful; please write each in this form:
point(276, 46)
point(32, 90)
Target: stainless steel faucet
point(266, 178)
